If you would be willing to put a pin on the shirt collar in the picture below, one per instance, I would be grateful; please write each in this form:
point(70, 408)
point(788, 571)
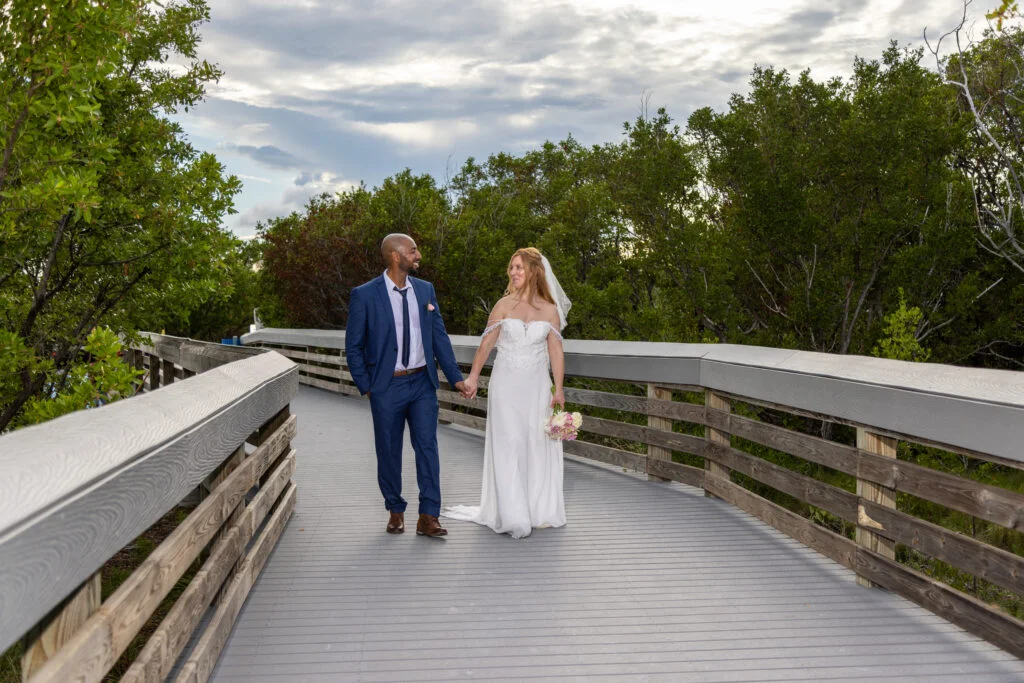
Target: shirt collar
point(392, 286)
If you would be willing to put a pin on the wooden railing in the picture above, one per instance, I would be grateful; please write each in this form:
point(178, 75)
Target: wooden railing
point(78, 489)
point(741, 398)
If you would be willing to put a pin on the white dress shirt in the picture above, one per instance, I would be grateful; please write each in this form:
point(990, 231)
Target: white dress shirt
point(417, 357)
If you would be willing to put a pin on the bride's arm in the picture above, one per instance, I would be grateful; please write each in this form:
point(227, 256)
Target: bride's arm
point(487, 343)
point(557, 357)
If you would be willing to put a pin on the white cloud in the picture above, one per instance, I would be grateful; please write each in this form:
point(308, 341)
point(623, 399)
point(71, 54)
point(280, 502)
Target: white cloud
point(327, 91)
point(430, 134)
point(245, 176)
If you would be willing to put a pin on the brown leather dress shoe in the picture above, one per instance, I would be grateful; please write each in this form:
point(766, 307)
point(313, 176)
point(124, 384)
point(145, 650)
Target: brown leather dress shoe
point(429, 526)
point(396, 524)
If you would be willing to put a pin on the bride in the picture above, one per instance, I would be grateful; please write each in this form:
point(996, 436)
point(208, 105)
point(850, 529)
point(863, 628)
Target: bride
point(522, 482)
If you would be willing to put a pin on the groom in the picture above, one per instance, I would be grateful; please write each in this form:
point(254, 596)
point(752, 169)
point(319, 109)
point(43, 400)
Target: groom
point(393, 339)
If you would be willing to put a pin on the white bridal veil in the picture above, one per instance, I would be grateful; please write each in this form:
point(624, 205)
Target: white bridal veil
point(557, 293)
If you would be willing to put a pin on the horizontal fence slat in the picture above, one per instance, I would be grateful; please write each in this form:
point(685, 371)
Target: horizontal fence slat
point(836, 456)
point(810, 490)
point(335, 373)
point(685, 474)
point(971, 555)
point(831, 545)
point(157, 658)
point(321, 383)
point(644, 434)
point(126, 611)
point(606, 454)
point(458, 399)
point(961, 609)
point(676, 410)
point(163, 648)
point(310, 356)
point(204, 657)
point(991, 503)
point(463, 419)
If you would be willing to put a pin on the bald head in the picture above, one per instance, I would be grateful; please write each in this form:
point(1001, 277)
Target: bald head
point(399, 253)
point(394, 243)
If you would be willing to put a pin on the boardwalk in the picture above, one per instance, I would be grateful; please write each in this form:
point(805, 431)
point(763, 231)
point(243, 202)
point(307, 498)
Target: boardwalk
point(647, 582)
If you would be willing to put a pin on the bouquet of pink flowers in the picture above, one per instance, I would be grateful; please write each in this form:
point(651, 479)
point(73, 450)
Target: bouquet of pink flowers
point(563, 426)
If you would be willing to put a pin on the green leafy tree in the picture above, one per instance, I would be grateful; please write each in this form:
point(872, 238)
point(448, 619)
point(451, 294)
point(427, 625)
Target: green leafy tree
point(671, 240)
point(101, 378)
point(312, 260)
point(229, 309)
point(831, 195)
point(1007, 10)
point(107, 215)
point(899, 340)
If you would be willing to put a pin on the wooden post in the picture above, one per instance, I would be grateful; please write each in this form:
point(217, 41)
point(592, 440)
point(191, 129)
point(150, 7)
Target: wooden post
point(46, 640)
point(168, 371)
point(154, 372)
point(716, 436)
point(884, 446)
point(665, 423)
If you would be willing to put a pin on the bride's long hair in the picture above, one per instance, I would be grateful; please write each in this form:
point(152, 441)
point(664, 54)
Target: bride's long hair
point(535, 281)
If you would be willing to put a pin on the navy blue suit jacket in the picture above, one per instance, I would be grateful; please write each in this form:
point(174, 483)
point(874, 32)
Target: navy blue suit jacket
point(371, 341)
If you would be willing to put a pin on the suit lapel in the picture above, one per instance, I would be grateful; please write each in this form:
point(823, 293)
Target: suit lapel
point(384, 300)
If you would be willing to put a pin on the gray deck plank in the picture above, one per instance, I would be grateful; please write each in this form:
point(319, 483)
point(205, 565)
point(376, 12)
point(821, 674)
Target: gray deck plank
point(647, 581)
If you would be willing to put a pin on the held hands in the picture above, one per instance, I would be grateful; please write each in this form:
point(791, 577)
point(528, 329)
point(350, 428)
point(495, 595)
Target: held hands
point(467, 387)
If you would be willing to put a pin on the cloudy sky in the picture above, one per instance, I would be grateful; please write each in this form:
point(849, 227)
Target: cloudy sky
point(318, 95)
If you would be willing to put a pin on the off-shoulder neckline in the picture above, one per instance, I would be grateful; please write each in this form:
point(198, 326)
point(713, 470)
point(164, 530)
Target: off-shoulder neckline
point(524, 322)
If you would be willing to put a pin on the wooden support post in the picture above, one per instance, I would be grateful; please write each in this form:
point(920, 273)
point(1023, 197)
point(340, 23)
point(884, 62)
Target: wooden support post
point(884, 446)
point(46, 640)
point(154, 372)
point(138, 359)
point(665, 423)
point(716, 437)
point(168, 371)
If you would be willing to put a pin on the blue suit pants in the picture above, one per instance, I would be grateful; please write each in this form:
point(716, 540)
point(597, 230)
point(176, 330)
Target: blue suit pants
point(409, 399)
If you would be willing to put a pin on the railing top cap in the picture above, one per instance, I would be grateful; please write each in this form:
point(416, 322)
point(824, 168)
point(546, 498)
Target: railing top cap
point(1004, 387)
point(48, 463)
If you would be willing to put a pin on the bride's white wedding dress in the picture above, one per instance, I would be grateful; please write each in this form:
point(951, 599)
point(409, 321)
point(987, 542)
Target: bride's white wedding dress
point(522, 481)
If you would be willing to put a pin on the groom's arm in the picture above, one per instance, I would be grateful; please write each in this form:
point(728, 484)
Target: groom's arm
point(355, 342)
point(442, 344)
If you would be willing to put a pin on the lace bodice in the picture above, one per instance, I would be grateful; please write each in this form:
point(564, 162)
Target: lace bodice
point(522, 344)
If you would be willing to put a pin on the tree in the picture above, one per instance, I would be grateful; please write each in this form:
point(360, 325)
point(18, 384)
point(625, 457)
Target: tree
point(227, 311)
point(988, 78)
point(312, 260)
point(107, 215)
point(669, 239)
point(1006, 10)
point(832, 195)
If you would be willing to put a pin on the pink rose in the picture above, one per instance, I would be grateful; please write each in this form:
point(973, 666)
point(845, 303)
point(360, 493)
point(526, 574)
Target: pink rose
point(430, 306)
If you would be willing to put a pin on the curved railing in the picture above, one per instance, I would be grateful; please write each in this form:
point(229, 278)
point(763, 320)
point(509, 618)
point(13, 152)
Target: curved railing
point(715, 416)
point(78, 489)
